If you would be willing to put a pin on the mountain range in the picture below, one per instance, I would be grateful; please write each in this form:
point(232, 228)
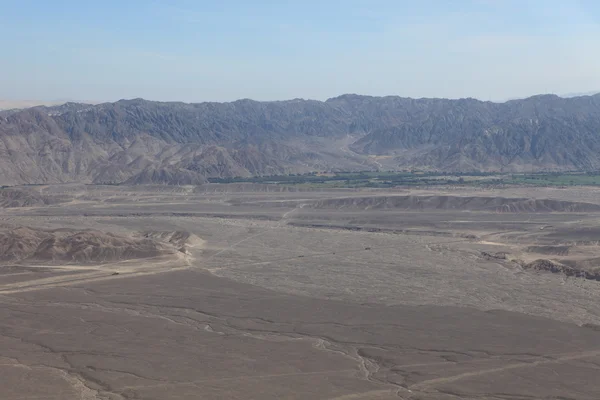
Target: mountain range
point(139, 141)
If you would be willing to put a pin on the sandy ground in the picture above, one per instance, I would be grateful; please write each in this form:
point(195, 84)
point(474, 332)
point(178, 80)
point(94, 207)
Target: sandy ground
point(279, 299)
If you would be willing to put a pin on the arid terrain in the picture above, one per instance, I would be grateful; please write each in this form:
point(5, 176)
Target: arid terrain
point(247, 291)
point(138, 141)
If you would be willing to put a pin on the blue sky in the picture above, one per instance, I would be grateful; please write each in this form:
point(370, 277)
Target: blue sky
point(267, 50)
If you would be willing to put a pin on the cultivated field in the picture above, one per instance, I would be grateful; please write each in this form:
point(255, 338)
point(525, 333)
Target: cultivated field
point(252, 291)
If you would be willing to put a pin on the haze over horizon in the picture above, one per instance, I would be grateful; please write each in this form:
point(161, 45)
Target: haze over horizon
point(26, 103)
point(223, 51)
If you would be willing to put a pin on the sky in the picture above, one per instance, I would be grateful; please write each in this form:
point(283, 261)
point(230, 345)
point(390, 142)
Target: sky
point(200, 50)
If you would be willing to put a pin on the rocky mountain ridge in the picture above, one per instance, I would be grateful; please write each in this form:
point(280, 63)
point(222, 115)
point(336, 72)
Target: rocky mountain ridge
point(139, 141)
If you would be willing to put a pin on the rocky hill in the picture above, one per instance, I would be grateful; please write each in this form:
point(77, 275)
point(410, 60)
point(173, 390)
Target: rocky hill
point(139, 141)
point(27, 245)
point(463, 203)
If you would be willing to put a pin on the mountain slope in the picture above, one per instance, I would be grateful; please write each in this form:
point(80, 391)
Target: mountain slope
point(543, 132)
point(139, 141)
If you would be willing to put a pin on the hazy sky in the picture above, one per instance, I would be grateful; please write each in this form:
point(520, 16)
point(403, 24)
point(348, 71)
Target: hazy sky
point(198, 50)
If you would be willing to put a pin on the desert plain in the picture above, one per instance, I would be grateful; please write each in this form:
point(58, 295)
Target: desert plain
point(248, 291)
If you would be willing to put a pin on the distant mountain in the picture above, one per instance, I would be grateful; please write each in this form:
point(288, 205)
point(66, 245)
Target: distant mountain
point(6, 104)
point(139, 141)
point(579, 94)
point(543, 132)
point(166, 176)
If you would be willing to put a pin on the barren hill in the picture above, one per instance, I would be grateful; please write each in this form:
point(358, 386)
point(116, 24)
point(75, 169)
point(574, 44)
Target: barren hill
point(13, 197)
point(67, 246)
point(140, 141)
point(444, 202)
